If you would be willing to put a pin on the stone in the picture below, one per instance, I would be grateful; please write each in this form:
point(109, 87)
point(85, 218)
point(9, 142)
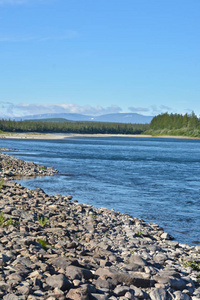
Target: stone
point(136, 259)
point(158, 294)
point(98, 296)
point(181, 296)
point(74, 272)
point(87, 252)
point(121, 290)
point(178, 284)
point(78, 294)
point(102, 283)
point(10, 297)
point(58, 281)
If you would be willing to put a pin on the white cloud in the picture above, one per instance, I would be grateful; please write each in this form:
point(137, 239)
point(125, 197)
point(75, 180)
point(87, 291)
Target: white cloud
point(152, 110)
point(160, 109)
point(138, 109)
point(18, 110)
point(166, 108)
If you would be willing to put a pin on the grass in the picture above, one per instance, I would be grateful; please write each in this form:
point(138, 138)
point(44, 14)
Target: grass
point(42, 168)
point(192, 264)
point(139, 233)
point(93, 216)
point(43, 221)
point(1, 183)
point(10, 222)
point(3, 221)
point(184, 132)
point(43, 244)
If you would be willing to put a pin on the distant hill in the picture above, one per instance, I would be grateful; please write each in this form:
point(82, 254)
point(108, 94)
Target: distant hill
point(60, 120)
point(124, 118)
point(133, 118)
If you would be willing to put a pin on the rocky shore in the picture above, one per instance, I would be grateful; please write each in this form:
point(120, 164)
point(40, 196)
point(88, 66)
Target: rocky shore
point(52, 247)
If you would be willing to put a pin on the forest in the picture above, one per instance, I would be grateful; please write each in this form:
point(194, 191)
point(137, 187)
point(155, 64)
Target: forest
point(162, 124)
point(44, 126)
point(175, 124)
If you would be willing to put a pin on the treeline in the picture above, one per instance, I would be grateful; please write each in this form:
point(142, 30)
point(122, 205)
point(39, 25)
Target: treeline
point(72, 127)
point(175, 124)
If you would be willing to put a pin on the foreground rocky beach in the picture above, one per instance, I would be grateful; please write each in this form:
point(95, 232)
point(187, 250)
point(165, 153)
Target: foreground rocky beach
point(52, 247)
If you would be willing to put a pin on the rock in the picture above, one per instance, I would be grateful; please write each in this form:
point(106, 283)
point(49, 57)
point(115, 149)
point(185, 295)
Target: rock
point(78, 294)
point(121, 290)
point(166, 236)
point(130, 279)
point(83, 252)
point(60, 262)
point(181, 296)
point(178, 284)
point(158, 294)
point(59, 281)
point(102, 283)
point(136, 259)
point(98, 297)
point(10, 297)
point(74, 272)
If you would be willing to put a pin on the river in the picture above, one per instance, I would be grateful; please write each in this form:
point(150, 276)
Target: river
point(155, 179)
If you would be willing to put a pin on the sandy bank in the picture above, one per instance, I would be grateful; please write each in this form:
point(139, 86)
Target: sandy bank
point(59, 136)
point(32, 136)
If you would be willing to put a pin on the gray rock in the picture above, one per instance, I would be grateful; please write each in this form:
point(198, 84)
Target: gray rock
point(158, 294)
point(59, 281)
point(166, 236)
point(136, 259)
point(121, 290)
point(98, 297)
point(102, 283)
point(10, 297)
point(178, 284)
point(74, 272)
point(181, 296)
point(78, 294)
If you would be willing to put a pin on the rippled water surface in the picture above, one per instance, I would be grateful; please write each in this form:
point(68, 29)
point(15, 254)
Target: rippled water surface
point(150, 178)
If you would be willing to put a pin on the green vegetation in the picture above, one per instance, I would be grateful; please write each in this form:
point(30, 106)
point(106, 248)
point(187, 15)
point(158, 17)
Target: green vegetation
point(43, 244)
point(175, 124)
point(195, 265)
point(42, 168)
point(163, 124)
point(43, 221)
point(1, 183)
point(139, 233)
point(72, 127)
point(93, 216)
point(3, 221)
point(10, 222)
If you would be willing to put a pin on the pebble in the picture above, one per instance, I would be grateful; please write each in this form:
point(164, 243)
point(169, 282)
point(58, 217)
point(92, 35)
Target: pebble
point(52, 247)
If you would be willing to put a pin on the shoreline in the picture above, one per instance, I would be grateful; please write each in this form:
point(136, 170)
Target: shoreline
point(59, 136)
point(55, 248)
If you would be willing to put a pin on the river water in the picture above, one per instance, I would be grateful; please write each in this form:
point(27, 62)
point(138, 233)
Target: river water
point(151, 178)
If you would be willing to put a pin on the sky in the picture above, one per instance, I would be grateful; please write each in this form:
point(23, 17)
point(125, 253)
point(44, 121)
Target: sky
point(99, 56)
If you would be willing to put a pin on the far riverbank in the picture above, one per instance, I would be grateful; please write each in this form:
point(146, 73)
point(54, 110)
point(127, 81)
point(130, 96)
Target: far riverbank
point(59, 136)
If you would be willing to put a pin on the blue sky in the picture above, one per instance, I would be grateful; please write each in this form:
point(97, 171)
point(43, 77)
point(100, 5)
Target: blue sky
point(99, 56)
